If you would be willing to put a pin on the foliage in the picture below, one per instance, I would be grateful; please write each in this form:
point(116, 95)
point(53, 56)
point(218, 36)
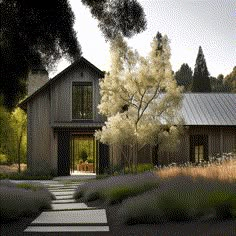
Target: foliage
point(218, 84)
point(181, 198)
point(6, 131)
point(23, 176)
point(95, 189)
point(184, 77)
point(116, 194)
point(13, 135)
point(83, 155)
point(230, 80)
point(19, 123)
point(29, 186)
point(35, 34)
point(201, 81)
point(17, 202)
point(140, 97)
point(125, 17)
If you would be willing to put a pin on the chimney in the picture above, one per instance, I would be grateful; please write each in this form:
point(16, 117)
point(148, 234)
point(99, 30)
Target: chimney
point(36, 79)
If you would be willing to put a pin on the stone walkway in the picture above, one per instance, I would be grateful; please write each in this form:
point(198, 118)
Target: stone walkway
point(67, 216)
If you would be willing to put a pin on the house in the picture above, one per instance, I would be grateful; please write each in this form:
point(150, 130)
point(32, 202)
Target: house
point(63, 117)
point(209, 130)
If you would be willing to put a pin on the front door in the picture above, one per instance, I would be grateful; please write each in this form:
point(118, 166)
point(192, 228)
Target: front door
point(83, 153)
point(198, 148)
point(63, 153)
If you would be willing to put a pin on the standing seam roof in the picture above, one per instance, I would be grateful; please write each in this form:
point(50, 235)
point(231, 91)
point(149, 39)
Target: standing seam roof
point(209, 109)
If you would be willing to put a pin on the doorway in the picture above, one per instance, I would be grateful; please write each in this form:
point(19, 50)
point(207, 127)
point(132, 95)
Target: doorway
point(198, 148)
point(83, 150)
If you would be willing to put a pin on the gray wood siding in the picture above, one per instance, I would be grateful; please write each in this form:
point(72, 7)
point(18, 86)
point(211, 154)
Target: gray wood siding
point(61, 94)
point(39, 134)
point(220, 140)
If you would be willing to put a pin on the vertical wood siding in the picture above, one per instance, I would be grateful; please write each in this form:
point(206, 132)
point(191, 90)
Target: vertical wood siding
point(39, 134)
point(61, 94)
point(220, 140)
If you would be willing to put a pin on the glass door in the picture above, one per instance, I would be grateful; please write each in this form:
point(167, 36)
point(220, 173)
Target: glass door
point(83, 154)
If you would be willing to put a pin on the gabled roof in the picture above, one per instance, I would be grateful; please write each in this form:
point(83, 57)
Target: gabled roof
point(82, 60)
point(209, 109)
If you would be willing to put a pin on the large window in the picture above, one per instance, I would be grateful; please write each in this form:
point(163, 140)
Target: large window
point(82, 101)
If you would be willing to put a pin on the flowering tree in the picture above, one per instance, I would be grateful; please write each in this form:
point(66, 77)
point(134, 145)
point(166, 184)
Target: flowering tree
point(139, 97)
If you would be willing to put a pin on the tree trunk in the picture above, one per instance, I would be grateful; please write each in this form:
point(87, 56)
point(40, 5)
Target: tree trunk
point(18, 153)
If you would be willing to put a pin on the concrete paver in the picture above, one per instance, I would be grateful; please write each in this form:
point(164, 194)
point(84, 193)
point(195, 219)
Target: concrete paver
point(63, 201)
point(67, 229)
point(97, 216)
point(66, 214)
point(64, 197)
point(62, 193)
point(70, 206)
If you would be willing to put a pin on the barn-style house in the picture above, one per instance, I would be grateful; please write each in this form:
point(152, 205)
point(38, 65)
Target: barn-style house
point(63, 116)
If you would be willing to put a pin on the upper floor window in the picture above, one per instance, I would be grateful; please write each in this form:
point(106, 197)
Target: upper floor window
point(82, 100)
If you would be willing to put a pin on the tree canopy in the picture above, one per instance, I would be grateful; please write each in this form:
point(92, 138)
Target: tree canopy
point(201, 81)
point(139, 96)
point(184, 77)
point(230, 80)
point(38, 33)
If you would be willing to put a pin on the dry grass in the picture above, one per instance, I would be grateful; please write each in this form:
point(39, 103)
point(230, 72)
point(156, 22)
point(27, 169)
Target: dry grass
point(12, 168)
point(225, 171)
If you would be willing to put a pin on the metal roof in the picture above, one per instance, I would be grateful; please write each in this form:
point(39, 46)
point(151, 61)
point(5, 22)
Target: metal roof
point(77, 125)
point(209, 109)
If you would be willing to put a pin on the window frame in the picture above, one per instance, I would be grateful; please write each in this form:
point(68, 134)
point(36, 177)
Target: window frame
point(73, 83)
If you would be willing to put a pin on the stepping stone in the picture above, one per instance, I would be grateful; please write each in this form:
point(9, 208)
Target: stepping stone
point(55, 186)
point(63, 201)
point(70, 206)
point(72, 218)
point(64, 197)
point(62, 193)
point(67, 229)
point(61, 189)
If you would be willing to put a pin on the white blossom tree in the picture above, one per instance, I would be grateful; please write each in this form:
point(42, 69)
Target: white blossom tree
point(140, 98)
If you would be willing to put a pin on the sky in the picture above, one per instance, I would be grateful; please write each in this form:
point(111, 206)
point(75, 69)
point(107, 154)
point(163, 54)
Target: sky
point(188, 24)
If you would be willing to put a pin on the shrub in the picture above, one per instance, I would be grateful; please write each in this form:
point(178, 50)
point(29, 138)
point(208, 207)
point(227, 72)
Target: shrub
point(24, 176)
point(179, 199)
point(29, 186)
point(101, 188)
point(22, 200)
point(224, 203)
point(116, 194)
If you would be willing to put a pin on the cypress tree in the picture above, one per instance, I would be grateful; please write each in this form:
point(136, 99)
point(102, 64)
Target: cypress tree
point(201, 80)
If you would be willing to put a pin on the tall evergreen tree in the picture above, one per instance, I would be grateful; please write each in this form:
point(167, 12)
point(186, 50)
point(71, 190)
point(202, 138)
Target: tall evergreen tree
point(184, 77)
point(201, 80)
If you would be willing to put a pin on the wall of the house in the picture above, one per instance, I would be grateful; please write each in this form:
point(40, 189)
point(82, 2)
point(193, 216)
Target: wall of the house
point(61, 93)
point(39, 134)
point(36, 79)
point(220, 140)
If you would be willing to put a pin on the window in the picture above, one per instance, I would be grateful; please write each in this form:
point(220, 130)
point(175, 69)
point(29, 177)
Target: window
point(198, 148)
point(82, 101)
